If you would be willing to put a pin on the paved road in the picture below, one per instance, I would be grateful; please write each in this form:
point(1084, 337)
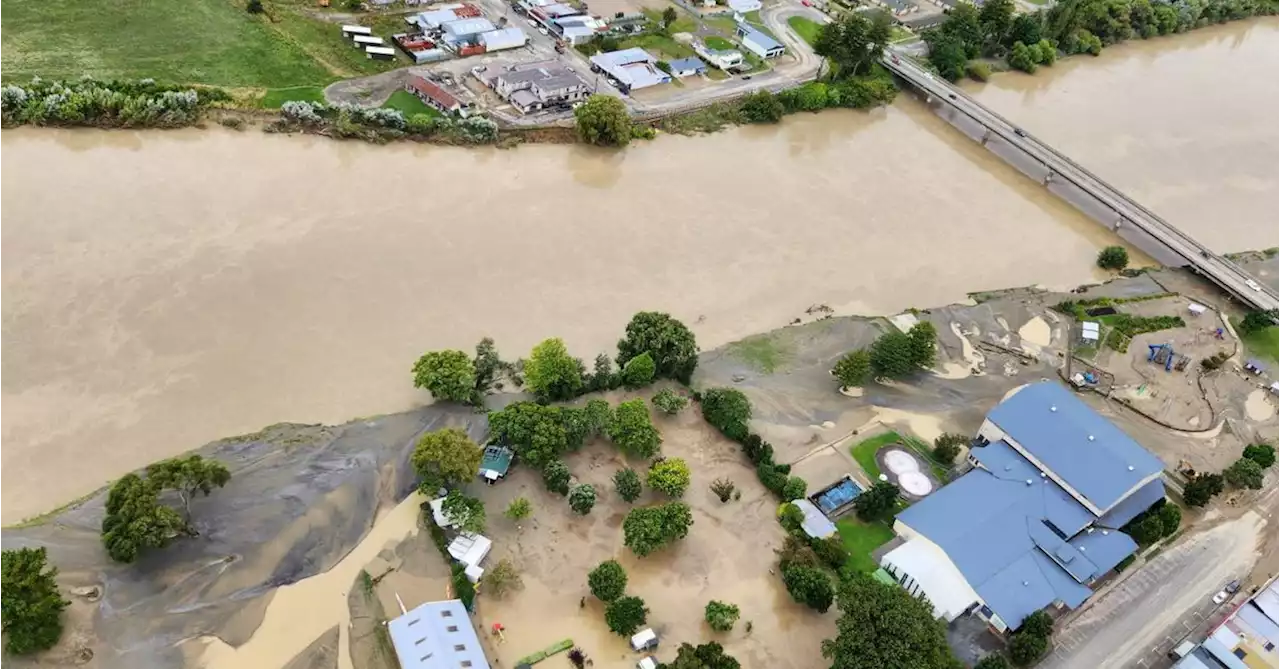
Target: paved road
point(1221, 271)
point(1135, 622)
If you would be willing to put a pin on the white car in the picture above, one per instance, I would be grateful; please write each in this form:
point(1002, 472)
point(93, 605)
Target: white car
point(1252, 284)
point(543, 31)
point(1221, 597)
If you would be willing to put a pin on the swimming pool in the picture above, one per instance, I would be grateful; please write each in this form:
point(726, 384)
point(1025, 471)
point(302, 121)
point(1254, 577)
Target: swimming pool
point(837, 495)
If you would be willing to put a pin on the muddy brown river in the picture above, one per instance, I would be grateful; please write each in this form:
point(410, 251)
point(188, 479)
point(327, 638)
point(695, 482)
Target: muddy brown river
point(162, 289)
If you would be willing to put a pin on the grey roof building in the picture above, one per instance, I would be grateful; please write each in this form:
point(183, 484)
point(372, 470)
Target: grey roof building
point(1036, 521)
point(437, 635)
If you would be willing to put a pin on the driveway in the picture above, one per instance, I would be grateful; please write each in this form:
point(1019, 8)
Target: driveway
point(1133, 621)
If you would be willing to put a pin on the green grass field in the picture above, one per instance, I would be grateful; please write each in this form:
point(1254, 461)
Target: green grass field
point(719, 44)
point(764, 352)
point(807, 29)
point(273, 98)
point(1261, 343)
point(409, 104)
point(192, 41)
point(864, 452)
point(683, 24)
point(661, 46)
point(860, 539)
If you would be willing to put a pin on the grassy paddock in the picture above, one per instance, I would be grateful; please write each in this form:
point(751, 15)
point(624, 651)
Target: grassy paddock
point(273, 98)
point(860, 539)
point(192, 41)
point(807, 29)
point(1264, 343)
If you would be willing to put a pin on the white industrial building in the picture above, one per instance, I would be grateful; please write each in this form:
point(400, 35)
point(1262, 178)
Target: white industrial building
point(632, 69)
point(466, 30)
point(507, 38)
point(436, 635)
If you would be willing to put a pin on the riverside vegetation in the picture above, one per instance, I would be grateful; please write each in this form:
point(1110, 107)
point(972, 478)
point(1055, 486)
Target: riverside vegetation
point(1027, 41)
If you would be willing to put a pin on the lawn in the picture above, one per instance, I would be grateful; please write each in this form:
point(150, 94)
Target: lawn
point(763, 352)
point(1261, 343)
point(661, 46)
point(273, 98)
point(807, 29)
point(900, 34)
point(724, 24)
point(683, 24)
point(860, 539)
point(864, 452)
point(719, 44)
point(409, 104)
point(192, 41)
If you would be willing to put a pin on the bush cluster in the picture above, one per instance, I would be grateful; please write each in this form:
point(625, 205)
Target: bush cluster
point(116, 103)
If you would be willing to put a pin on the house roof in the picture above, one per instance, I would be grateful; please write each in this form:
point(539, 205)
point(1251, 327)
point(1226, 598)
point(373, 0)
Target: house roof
point(623, 57)
point(468, 26)
point(1093, 456)
point(1060, 508)
point(690, 63)
point(633, 67)
point(815, 523)
point(761, 40)
point(431, 90)
point(437, 634)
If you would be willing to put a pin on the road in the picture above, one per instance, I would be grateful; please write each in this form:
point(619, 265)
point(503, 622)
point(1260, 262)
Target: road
point(1136, 622)
point(1221, 271)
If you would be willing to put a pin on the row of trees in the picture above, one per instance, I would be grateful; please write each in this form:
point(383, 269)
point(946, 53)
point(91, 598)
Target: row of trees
point(1157, 522)
point(349, 120)
point(1247, 472)
point(728, 410)
point(893, 355)
point(116, 103)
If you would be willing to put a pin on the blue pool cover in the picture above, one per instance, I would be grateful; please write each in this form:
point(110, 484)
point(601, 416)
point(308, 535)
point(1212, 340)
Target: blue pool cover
point(837, 496)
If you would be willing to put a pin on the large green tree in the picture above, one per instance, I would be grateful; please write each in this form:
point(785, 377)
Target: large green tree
point(996, 19)
point(1201, 488)
point(647, 529)
point(449, 375)
point(633, 431)
point(135, 520)
point(1244, 473)
point(32, 607)
point(893, 356)
point(963, 24)
point(1025, 28)
point(444, 459)
point(1263, 454)
point(487, 366)
point(603, 120)
point(853, 369)
point(877, 502)
point(709, 655)
point(551, 373)
point(188, 476)
point(669, 342)
point(607, 581)
point(855, 42)
point(809, 586)
point(625, 615)
point(725, 407)
point(947, 54)
point(721, 616)
point(883, 625)
point(924, 344)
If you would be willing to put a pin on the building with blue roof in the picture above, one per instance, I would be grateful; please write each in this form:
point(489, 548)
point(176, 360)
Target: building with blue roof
point(758, 42)
point(1036, 521)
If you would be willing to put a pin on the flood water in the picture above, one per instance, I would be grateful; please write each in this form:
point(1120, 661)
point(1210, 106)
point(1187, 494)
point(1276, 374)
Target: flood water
point(163, 289)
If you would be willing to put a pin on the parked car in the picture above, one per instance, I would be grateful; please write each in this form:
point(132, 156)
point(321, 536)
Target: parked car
point(1231, 589)
point(544, 31)
point(1020, 132)
point(647, 662)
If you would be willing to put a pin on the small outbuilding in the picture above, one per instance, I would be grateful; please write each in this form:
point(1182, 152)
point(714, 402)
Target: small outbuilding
point(816, 524)
point(495, 463)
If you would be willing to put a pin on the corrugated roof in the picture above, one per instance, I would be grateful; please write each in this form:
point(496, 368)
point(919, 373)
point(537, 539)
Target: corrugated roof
point(1060, 508)
point(750, 34)
point(1134, 504)
point(1085, 450)
point(1105, 548)
point(816, 524)
point(434, 92)
point(437, 634)
point(467, 26)
point(690, 63)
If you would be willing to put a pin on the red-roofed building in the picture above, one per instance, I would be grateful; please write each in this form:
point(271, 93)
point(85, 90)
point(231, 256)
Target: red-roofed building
point(433, 95)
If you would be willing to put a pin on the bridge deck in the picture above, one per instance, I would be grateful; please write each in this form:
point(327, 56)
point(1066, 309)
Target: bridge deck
point(1226, 274)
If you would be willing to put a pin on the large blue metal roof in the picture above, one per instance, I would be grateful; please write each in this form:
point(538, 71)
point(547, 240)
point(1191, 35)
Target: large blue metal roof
point(1072, 441)
point(1134, 504)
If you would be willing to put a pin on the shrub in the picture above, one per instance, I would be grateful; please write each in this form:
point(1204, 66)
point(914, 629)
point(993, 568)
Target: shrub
point(721, 616)
point(992, 661)
point(627, 483)
point(607, 581)
point(723, 489)
point(582, 498)
point(773, 479)
point(978, 71)
point(796, 552)
point(790, 517)
point(463, 588)
point(1026, 649)
point(1113, 257)
point(831, 551)
point(232, 122)
point(1038, 624)
point(671, 476)
point(1170, 518)
point(723, 407)
point(947, 446)
point(254, 7)
point(625, 615)
point(32, 607)
point(668, 401)
point(555, 475)
point(809, 586)
point(639, 371)
point(794, 488)
point(502, 578)
point(853, 369)
point(633, 431)
point(761, 107)
point(1023, 57)
point(1201, 488)
point(1255, 321)
point(1263, 454)
point(519, 509)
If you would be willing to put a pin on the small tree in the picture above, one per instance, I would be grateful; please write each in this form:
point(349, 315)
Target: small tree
point(449, 375)
point(602, 377)
point(795, 488)
point(669, 402)
point(639, 371)
point(582, 498)
point(627, 483)
point(607, 581)
point(551, 373)
point(854, 369)
point(633, 431)
point(1201, 488)
point(723, 489)
point(790, 517)
point(725, 407)
point(1037, 623)
point(1114, 258)
point(1027, 649)
point(669, 16)
point(519, 509)
point(625, 615)
point(761, 107)
point(1244, 473)
point(992, 661)
point(893, 356)
point(555, 475)
point(445, 458)
point(1148, 530)
point(947, 446)
point(670, 476)
point(603, 120)
point(877, 502)
point(502, 578)
point(831, 551)
point(597, 415)
point(1170, 518)
point(648, 529)
point(671, 344)
point(32, 607)
point(809, 586)
point(704, 656)
point(924, 344)
point(721, 616)
point(135, 520)
point(254, 7)
point(1256, 321)
point(1263, 454)
point(188, 476)
point(464, 511)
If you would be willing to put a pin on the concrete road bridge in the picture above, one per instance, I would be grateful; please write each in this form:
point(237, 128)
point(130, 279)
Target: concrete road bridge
point(1063, 176)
